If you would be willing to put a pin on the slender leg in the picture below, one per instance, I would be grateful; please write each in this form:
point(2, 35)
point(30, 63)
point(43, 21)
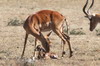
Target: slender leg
point(63, 45)
point(49, 34)
point(24, 45)
point(58, 32)
point(40, 37)
point(69, 48)
point(35, 47)
point(66, 36)
point(63, 48)
point(61, 36)
point(68, 41)
point(63, 52)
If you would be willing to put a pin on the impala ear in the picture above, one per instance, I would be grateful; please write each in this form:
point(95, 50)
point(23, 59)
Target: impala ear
point(89, 16)
point(49, 34)
point(93, 14)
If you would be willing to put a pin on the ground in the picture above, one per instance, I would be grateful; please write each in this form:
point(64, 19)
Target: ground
point(86, 51)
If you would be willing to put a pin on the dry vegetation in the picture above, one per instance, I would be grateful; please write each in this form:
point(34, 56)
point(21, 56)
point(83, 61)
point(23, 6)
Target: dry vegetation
point(85, 44)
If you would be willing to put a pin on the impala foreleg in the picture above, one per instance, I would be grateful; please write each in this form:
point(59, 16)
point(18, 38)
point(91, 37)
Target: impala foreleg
point(24, 45)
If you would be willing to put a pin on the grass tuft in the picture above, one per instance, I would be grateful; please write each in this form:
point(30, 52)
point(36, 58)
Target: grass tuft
point(97, 32)
point(15, 22)
point(76, 32)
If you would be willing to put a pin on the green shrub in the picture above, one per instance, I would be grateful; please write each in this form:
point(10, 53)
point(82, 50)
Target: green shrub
point(97, 32)
point(76, 32)
point(3, 52)
point(15, 22)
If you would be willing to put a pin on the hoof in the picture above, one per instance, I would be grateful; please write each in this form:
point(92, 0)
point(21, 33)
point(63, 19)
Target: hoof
point(71, 54)
point(63, 52)
point(68, 38)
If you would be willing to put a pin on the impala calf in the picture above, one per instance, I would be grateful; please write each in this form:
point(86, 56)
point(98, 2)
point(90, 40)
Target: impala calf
point(40, 52)
point(45, 20)
point(94, 18)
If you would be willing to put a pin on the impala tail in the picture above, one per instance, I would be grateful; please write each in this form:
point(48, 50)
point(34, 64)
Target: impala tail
point(67, 30)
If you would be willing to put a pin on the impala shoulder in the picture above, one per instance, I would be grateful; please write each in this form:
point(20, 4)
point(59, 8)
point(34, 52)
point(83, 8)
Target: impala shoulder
point(98, 15)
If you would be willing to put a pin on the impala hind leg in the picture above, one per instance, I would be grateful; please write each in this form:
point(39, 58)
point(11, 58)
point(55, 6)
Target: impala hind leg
point(69, 48)
point(68, 41)
point(58, 32)
point(66, 36)
point(24, 45)
point(63, 49)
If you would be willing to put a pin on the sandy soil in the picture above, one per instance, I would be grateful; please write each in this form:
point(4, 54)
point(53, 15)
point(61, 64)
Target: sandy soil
point(86, 47)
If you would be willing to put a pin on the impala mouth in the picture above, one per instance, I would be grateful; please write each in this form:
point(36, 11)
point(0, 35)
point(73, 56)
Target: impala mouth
point(91, 29)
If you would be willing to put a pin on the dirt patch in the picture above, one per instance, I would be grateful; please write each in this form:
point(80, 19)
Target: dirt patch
point(86, 47)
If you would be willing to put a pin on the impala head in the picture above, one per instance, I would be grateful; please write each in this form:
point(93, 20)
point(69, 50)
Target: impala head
point(93, 22)
point(91, 17)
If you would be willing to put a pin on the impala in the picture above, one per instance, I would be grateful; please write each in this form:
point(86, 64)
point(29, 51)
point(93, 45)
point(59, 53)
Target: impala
point(94, 18)
point(45, 20)
point(41, 53)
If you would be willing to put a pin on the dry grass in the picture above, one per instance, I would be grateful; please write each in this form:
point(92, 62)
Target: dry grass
point(86, 47)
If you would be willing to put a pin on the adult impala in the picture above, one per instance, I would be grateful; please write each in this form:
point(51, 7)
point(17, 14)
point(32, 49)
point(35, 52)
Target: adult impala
point(94, 18)
point(38, 47)
point(45, 20)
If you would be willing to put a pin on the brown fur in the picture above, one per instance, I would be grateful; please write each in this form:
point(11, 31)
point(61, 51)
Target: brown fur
point(45, 20)
point(94, 21)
